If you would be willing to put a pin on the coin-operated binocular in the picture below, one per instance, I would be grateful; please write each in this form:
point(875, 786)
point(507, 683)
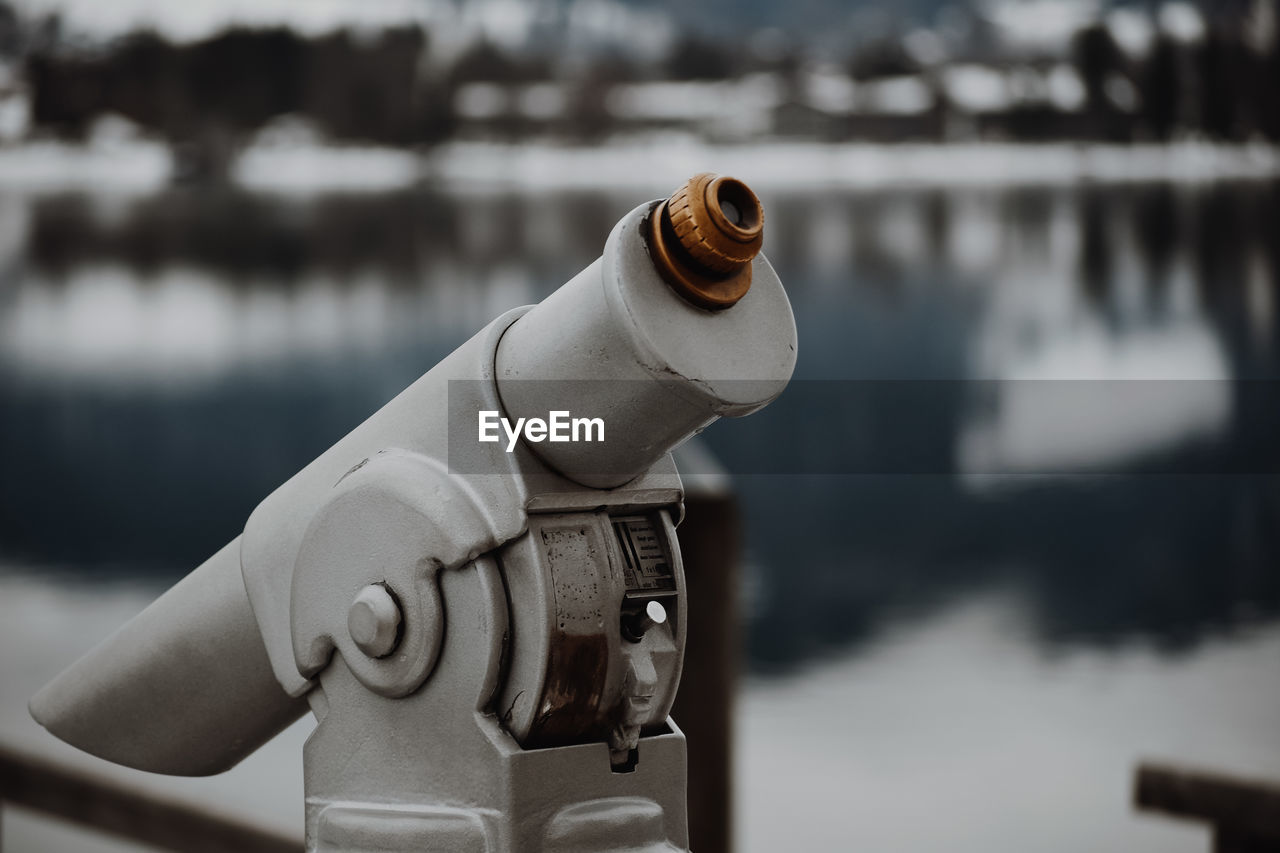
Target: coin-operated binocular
point(478, 592)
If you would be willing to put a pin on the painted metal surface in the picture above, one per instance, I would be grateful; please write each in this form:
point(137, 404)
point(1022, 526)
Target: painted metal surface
point(490, 638)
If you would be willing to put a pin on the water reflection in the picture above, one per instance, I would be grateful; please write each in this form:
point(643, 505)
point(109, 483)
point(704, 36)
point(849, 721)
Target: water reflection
point(166, 361)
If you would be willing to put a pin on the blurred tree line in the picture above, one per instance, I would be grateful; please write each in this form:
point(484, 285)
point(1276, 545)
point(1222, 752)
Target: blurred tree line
point(1224, 86)
point(208, 97)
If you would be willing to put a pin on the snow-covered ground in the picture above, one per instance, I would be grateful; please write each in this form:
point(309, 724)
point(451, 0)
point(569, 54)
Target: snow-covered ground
point(956, 735)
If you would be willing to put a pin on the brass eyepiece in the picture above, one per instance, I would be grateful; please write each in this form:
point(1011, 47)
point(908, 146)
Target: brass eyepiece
point(703, 238)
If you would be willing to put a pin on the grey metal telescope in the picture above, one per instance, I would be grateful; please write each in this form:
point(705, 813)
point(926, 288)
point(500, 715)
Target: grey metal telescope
point(489, 634)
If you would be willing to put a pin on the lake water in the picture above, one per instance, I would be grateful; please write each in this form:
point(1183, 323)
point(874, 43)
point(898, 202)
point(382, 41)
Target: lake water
point(1014, 527)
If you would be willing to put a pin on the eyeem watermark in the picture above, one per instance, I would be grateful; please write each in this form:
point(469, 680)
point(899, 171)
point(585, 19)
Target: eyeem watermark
point(559, 426)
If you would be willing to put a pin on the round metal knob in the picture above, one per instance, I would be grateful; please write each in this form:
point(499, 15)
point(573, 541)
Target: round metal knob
point(374, 621)
point(635, 625)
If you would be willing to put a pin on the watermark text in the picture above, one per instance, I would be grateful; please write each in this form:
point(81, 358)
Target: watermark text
point(559, 426)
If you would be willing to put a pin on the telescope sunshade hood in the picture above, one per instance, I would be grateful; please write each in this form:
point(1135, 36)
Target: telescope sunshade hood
point(185, 688)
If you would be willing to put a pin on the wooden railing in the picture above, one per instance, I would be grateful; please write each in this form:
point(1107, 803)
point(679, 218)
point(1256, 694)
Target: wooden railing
point(1243, 813)
point(109, 805)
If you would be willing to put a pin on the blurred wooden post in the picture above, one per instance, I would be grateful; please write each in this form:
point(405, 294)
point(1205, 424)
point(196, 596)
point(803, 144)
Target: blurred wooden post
point(1244, 813)
point(710, 544)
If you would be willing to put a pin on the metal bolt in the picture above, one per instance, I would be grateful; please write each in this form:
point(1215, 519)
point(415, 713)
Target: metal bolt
point(374, 621)
point(634, 625)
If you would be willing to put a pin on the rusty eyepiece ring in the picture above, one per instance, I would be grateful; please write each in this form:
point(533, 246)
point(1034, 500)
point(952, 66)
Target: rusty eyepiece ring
point(703, 238)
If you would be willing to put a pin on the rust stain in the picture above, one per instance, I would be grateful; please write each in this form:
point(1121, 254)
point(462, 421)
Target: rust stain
point(571, 702)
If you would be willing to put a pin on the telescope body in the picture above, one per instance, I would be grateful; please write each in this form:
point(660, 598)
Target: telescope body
point(489, 639)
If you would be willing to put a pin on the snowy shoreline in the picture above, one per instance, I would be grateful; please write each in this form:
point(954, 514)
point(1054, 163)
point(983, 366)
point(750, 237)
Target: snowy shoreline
point(809, 166)
point(143, 166)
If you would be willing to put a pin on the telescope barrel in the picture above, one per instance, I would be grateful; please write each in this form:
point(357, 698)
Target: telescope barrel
point(184, 688)
point(681, 320)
